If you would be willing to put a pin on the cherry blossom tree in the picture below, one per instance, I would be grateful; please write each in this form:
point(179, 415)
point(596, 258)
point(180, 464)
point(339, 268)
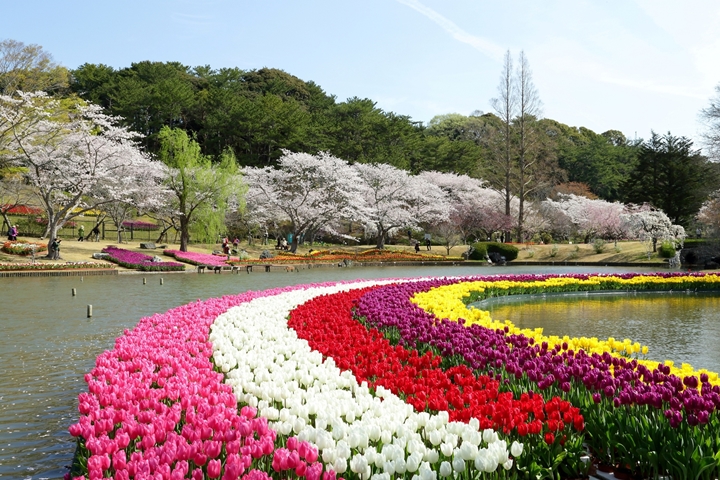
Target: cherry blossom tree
point(308, 191)
point(137, 187)
point(396, 199)
point(589, 218)
point(67, 154)
point(474, 208)
point(650, 225)
point(709, 214)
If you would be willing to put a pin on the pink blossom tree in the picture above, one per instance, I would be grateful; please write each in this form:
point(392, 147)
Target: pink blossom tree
point(308, 191)
point(709, 214)
point(474, 208)
point(585, 217)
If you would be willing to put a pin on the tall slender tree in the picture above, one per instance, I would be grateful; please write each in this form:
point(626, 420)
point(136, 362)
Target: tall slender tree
point(528, 142)
point(505, 106)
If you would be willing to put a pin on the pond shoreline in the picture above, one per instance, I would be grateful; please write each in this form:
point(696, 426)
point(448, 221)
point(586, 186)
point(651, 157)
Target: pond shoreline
point(292, 266)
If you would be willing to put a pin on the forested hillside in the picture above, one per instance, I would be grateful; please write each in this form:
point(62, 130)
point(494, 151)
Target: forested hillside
point(258, 113)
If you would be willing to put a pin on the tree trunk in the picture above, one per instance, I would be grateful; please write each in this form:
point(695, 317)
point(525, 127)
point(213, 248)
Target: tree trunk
point(380, 241)
point(163, 233)
point(184, 233)
point(52, 253)
point(294, 243)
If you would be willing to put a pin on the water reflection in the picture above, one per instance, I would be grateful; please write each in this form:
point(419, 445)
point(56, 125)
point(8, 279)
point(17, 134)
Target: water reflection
point(47, 344)
point(682, 327)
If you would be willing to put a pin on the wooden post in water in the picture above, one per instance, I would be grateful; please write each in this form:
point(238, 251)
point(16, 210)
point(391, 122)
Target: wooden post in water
point(89, 311)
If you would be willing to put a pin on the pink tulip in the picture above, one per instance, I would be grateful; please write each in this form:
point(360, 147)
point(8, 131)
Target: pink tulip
point(213, 468)
point(314, 471)
point(119, 460)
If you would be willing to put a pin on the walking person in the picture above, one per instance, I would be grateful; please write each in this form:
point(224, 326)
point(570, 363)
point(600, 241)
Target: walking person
point(96, 231)
point(417, 246)
point(81, 233)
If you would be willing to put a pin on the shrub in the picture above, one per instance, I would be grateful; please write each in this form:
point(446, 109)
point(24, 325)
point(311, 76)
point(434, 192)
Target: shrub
point(480, 249)
point(599, 245)
point(554, 250)
point(667, 249)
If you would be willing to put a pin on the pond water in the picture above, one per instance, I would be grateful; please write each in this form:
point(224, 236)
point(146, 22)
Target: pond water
point(682, 327)
point(47, 343)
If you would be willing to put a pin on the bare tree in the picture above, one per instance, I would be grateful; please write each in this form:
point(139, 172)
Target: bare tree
point(505, 106)
point(529, 106)
point(711, 118)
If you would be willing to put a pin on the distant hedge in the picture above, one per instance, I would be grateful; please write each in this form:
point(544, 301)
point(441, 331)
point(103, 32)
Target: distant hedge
point(480, 249)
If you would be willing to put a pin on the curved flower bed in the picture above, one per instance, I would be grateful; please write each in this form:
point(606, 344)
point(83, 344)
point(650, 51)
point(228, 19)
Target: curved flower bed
point(357, 380)
point(625, 402)
point(140, 261)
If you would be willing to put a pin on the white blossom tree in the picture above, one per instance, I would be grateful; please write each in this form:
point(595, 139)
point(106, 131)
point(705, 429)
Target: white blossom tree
point(137, 187)
point(308, 191)
point(396, 199)
point(650, 225)
point(67, 154)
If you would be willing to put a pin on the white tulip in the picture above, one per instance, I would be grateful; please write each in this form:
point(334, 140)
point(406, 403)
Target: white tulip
point(490, 436)
point(445, 469)
point(400, 465)
point(516, 448)
point(435, 437)
point(458, 464)
point(426, 473)
point(431, 455)
point(447, 449)
point(329, 456)
point(413, 462)
point(359, 463)
point(468, 451)
point(340, 465)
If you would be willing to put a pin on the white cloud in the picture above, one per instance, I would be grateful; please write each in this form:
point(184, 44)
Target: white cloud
point(487, 47)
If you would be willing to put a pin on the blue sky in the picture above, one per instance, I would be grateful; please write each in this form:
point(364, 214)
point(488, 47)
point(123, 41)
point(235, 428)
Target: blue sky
point(630, 65)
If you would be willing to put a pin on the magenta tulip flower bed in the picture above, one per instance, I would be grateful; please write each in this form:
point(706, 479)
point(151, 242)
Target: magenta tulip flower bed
point(248, 386)
point(198, 258)
point(140, 261)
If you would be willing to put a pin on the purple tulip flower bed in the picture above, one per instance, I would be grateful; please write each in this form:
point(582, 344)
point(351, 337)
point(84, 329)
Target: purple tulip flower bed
point(140, 261)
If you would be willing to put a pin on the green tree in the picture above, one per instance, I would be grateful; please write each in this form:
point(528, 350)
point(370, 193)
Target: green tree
point(602, 162)
point(671, 176)
point(202, 191)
